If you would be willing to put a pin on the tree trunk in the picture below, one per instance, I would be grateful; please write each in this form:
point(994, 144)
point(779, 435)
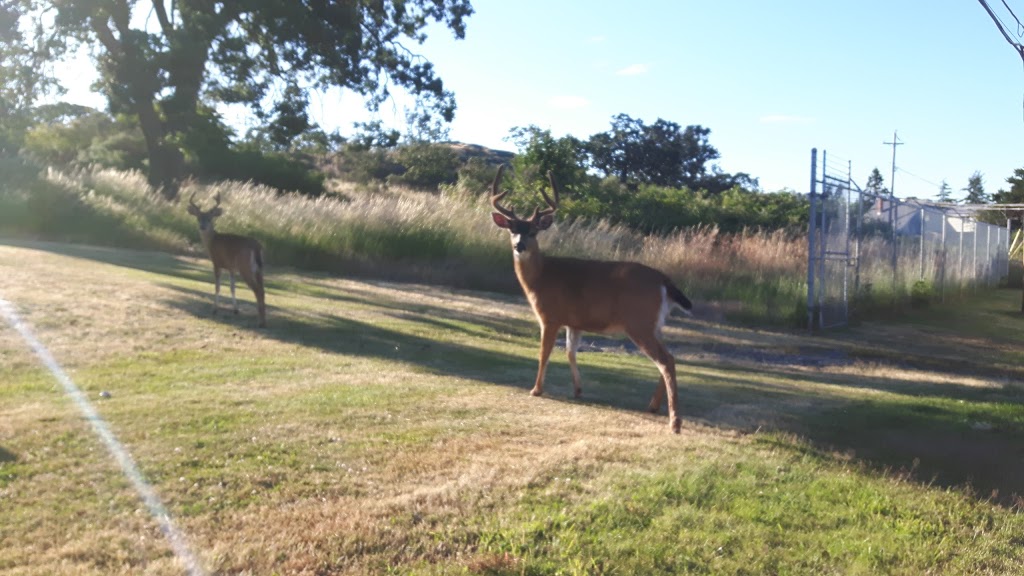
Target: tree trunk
point(166, 163)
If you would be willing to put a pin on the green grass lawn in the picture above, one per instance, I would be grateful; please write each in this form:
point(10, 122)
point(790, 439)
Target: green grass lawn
point(379, 428)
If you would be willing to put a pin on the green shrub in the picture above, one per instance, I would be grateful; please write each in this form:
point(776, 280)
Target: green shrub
point(426, 166)
point(920, 294)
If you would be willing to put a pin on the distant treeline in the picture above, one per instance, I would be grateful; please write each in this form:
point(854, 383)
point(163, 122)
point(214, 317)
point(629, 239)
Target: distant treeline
point(652, 178)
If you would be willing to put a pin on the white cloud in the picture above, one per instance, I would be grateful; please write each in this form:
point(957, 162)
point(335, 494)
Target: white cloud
point(568, 102)
point(597, 39)
point(634, 70)
point(786, 119)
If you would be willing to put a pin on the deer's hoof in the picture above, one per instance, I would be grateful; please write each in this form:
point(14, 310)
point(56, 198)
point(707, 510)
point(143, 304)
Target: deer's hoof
point(536, 392)
point(577, 393)
point(677, 424)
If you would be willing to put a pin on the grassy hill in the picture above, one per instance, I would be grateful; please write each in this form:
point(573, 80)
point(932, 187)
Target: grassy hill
point(376, 427)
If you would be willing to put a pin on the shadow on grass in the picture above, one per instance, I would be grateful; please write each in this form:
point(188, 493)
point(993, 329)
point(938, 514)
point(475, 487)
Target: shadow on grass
point(943, 433)
point(6, 455)
point(162, 263)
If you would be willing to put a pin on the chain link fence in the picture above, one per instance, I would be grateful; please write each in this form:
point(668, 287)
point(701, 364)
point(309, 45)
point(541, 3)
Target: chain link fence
point(872, 252)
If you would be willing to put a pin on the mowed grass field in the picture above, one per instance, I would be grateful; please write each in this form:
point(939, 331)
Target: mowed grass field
point(380, 428)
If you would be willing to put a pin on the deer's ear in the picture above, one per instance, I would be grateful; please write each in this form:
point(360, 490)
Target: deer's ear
point(500, 219)
point(545, 222)
point(193, 210)
point(215, 212)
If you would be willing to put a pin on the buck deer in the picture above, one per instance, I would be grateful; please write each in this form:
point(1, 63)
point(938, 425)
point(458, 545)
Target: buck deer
point(233, 253)
point(591, 296)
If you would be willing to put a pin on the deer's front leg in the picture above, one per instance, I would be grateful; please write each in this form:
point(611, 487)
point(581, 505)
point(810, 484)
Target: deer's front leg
point(216, 288)
point(234, 302)
point(547, 343)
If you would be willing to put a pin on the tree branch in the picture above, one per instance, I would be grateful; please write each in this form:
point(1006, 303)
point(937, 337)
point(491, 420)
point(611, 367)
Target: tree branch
point(106, 37)
point(161, 16)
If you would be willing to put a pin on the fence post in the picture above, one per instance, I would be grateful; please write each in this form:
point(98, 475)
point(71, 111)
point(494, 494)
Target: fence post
point(944, 253)
point(923, 215)
point(894, 218)
point(960, 258)
point(1006, 251)
point(989, 268)
point(810, 240)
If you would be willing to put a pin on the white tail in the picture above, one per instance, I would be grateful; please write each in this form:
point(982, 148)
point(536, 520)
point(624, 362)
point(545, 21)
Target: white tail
point(591, 296)
point(233, 253)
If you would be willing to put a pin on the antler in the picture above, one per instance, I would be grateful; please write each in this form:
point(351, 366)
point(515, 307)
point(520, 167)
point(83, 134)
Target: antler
point(497, 196)
point(554, 189)
point(192, 201)
point(217, 200)
point(552, 204)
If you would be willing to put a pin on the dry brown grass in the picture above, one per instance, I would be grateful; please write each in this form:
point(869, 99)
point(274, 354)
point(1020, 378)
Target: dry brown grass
point(372, 426)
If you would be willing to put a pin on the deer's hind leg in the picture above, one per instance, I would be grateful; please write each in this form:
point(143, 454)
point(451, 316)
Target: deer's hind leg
point(656, 351)
point(659, 394)
point(255, 282)
point(572, 344)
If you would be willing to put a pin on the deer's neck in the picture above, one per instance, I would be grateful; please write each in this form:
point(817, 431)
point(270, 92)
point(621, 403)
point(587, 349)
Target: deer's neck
point(207, 237)
point(529, 266)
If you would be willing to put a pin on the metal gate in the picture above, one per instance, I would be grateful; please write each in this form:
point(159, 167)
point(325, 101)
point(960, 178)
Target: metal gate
point(831, 254)
point(869, 250)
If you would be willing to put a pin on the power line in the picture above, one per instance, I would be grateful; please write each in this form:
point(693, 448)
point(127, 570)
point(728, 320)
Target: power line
point(1002, 27)
point(1020, 27)
point(911, 174)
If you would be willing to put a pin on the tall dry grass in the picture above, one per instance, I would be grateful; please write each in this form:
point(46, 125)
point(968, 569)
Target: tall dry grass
point(446, 238)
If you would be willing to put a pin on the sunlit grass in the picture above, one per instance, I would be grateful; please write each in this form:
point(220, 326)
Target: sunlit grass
point(378, 427)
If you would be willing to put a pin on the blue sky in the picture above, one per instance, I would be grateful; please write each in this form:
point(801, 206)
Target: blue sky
point(770, 79)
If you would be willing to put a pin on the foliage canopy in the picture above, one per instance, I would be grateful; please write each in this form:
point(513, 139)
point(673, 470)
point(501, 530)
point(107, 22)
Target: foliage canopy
point(162, 61)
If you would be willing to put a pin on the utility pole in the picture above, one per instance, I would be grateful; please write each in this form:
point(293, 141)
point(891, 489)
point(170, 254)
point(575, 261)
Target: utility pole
point(892, 179)
point(894, 216)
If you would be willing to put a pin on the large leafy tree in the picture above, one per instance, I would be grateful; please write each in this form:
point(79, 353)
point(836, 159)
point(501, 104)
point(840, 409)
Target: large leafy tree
point(164, 60)
point(663, 154)
point(541, 152)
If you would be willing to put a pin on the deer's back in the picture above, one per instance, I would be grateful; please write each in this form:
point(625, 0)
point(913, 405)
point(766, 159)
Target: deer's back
point(596, 295)
point(233, 251)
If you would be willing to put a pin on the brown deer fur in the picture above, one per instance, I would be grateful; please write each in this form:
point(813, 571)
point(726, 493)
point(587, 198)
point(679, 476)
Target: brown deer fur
point(233, 253)
point(591, 296)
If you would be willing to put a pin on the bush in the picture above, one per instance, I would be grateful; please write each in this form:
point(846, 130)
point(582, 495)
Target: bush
point(426, 166)
point(920, 294)
point(365, 165)
point(272, 169)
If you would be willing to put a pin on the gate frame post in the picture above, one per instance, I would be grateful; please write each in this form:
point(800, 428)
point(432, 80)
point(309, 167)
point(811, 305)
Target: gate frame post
point(811, 232)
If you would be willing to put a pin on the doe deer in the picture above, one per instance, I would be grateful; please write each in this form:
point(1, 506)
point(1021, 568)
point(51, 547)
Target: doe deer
point(591, 296)
point(233, 253)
